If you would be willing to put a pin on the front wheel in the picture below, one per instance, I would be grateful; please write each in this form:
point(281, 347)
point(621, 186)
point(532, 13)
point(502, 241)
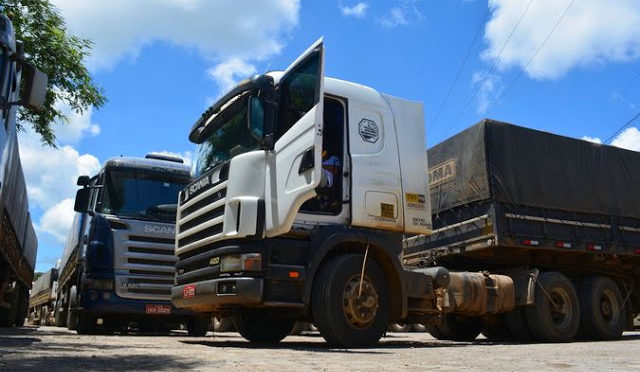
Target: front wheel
point(602, 309)
point(257, 326)
point(351, 310)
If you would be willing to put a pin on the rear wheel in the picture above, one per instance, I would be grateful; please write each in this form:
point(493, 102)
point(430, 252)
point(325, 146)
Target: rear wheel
point(22, 309)
point(555, 315)
point(602, 312)
point(257, 326)
point(197, 327)
point(348, 311)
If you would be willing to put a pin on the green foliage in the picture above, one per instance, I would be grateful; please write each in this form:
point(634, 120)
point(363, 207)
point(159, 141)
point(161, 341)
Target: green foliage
point(50, 48)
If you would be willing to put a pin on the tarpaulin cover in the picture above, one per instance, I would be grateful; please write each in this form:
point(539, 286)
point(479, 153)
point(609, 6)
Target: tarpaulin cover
point(511, 164)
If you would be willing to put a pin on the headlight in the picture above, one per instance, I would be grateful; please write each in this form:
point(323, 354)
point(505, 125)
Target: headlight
point(241, 262)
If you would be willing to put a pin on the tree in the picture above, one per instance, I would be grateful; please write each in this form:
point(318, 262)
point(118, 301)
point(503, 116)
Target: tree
point(49, 47)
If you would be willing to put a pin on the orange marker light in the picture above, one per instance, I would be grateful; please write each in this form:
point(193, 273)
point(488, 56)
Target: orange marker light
point(294, 274)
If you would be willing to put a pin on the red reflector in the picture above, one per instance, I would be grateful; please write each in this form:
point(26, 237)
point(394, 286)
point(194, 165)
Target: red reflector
point(294, 274)
point(189, 291)
point(530, 242)
point(563, 245)
point(637, 250)
point(594, 247)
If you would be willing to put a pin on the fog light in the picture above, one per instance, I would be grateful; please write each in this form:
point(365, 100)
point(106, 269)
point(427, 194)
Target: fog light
point(106, 296)
point(251, 262)
point(227, 288)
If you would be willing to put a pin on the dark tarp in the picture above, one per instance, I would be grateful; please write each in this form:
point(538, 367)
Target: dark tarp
point(516, 165)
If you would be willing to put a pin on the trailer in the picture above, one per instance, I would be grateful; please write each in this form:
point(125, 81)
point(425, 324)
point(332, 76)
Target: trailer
point(42, 298)
point(20, 84)
point(505, 197)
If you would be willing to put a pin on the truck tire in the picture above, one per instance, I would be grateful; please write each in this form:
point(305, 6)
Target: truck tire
point(59, 317)
point(602, 314)
point(418, 328)
point(518, 326)
point(72, 313)
point(495, 328)
point(396, 327)
point(224, 324)
point(22, 309)
point(197, 326)
point(344, 318)
point(458, 328)
point(555, 314)
point(8, 315)
point(257, 326)
point(86, 325)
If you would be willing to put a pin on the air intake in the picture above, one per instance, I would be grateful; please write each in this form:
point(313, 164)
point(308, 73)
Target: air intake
point(165, 157)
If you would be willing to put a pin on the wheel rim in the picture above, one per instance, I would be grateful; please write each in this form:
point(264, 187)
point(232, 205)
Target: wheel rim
point(360, 309)
point(609, 307)
point(560, 307)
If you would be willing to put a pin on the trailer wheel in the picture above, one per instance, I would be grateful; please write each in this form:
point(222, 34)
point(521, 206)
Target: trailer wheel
point(72, 313)
point(458, 328)
point(223, 324)
point(59, 317)
point(418, 328)
point(345, 317)
point(396, 327)
point(495, 328)
point(602, 312)
point(257, 326)
point(197, 326)
point(555, 315)
point(22, 309)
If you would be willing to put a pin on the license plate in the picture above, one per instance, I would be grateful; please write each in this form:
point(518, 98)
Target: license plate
point(189, 291)
point(158, 309)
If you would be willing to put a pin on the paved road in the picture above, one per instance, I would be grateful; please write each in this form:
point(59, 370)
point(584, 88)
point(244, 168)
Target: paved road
point(52, 349)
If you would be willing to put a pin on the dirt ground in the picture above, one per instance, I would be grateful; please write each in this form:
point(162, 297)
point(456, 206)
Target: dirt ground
point(53, 349)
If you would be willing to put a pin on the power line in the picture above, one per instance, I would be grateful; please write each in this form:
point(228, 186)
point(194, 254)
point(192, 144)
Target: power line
point(623, 127)
point(493, 66)
point(464, 62)
point(535, 54)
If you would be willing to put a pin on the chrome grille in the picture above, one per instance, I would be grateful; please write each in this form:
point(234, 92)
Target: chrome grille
point(148, 263)
point(200, 219)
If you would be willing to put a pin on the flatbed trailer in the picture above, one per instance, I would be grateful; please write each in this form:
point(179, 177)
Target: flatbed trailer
point(505, 197)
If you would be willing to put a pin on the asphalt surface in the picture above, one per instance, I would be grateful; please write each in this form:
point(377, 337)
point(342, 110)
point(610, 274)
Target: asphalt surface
point(57, 349)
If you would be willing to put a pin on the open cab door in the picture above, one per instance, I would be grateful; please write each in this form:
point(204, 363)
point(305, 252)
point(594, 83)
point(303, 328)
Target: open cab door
point(294, 168)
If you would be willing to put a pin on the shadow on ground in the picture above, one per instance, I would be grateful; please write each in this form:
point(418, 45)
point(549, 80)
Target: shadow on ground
point(125, 362)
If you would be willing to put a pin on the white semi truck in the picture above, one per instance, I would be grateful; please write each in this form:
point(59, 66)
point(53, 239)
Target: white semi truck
point(307, 193)
point(20, 84)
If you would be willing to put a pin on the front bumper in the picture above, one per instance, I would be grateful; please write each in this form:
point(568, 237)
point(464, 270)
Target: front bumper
point(106, 302)
point(211, 294)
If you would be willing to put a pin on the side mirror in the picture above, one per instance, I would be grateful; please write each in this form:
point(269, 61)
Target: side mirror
point(34, 88)
point(255, 118)
point(82, 200)
point(83, 181)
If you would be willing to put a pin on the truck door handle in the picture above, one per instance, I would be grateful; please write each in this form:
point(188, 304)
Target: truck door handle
point(307, 161)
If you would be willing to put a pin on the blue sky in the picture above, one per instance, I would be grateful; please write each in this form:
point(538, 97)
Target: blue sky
point(569, 67)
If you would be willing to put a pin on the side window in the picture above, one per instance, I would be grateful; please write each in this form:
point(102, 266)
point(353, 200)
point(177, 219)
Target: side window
point(329, 192)
point(4, 85)
point(96, 184)
point(299, 92)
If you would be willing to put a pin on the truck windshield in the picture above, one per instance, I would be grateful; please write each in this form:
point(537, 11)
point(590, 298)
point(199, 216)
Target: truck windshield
point(228, 136)
point(142, 194)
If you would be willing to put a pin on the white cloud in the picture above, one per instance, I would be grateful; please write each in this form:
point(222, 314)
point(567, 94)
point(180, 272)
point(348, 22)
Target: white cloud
point(227, 73)
point(51, 173)
point(591, 139)
point(247, 29)
point(593, 31)
point(77, 125)
point(628, 139)
point(404, 14)
point(357, 10)
point(57, 220)
point(490, 88)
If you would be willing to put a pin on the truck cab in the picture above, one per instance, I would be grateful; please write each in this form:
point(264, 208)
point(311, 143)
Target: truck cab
point(117, 268)
point(303, 183)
